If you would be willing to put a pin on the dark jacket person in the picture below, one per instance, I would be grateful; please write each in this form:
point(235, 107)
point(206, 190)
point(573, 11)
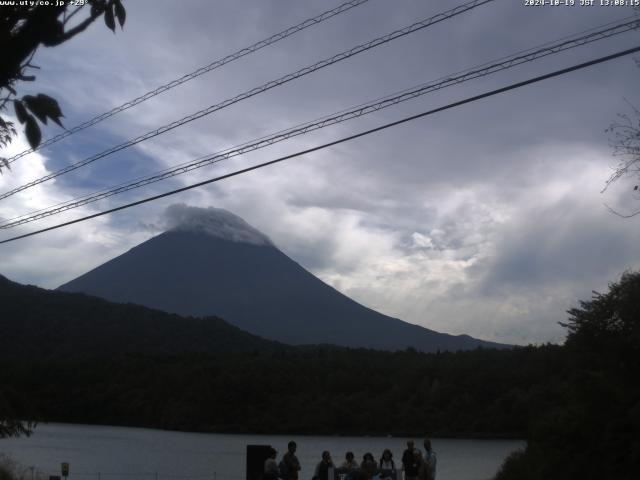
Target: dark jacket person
point(289, 465)
point(322, 469)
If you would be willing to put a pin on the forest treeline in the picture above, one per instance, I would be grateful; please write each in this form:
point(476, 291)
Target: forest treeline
point(316, 390)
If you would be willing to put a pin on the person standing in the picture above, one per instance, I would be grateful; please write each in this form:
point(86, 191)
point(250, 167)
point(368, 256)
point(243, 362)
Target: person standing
point(386, 461)
point(290, 465)
point(412, 471)
point(368, 466)
point(322, 469)
point(271, 471)
point(430, 460)
point(409, 462)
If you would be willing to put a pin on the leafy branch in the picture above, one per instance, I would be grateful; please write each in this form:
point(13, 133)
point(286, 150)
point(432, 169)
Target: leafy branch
point(23, 28)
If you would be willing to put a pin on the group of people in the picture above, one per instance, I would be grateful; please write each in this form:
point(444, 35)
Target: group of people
point(415, 465)
point(288, 468)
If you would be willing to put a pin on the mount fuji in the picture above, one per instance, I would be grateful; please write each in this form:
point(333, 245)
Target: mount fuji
point(211, 262)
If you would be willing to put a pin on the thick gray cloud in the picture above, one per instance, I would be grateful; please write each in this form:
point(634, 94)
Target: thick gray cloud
point(485, 219)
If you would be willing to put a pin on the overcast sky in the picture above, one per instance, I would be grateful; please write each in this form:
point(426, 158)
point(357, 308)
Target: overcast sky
point(486, 219)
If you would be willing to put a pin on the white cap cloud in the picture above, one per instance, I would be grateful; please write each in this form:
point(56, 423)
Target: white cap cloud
point(215, 222)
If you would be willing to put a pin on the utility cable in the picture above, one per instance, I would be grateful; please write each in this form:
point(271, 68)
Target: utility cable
point(255, 91)
point(196, 73)
point(355, 112)
point(513, 86)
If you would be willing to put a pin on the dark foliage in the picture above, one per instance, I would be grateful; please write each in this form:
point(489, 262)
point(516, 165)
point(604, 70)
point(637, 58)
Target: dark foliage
point(593, 432)
point(40, 325)
point(319, 390)
point(10, 403)
point(25, 27)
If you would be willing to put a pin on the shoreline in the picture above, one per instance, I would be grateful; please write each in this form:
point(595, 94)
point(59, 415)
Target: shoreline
point(401, 435)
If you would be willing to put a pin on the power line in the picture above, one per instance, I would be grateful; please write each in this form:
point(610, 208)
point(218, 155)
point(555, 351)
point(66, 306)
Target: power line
point(255, 91)
point(196, 73)
point(513, 86)
point(355, 112)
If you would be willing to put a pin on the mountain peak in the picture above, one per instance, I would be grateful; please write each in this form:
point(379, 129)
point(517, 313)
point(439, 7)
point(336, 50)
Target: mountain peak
point(216, 222)
point(259, 290)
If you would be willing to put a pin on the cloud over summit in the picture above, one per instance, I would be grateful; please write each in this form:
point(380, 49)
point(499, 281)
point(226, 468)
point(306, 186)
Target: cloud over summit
point(213, 221)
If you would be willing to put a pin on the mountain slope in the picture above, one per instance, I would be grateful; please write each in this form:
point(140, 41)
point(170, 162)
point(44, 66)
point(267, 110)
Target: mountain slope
point(211, 268)
point(37, 323)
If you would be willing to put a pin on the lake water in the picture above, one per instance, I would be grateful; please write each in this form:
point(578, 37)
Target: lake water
point(119, 453)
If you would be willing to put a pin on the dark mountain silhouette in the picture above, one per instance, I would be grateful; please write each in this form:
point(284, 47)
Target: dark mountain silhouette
point(214, 263)
point(44, 324)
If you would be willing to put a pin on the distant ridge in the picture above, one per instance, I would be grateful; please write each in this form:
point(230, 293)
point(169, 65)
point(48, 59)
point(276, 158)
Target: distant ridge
point(211, 262)
point(43, 324)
